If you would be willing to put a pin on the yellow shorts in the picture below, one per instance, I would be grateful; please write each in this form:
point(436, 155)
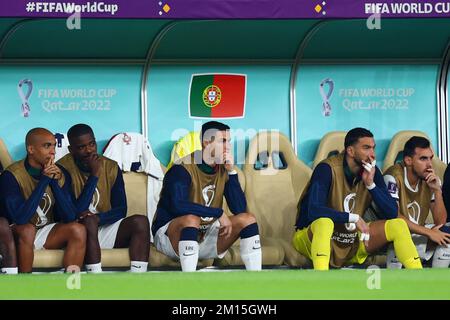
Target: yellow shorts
point(302, 244)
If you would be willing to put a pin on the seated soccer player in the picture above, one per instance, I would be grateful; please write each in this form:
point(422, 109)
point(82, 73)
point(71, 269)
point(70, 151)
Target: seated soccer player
point(330, 227)
point(189, 221)
point(99, 195)
point(417, 189)
point(7, 249)
point(33, 198)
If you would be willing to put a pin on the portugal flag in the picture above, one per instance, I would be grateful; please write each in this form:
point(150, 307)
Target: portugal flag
point(217, 96)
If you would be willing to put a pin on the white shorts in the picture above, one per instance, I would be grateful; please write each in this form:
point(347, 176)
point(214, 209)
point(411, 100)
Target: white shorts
point(207, 249)
point(107, 234)
point(41, 236)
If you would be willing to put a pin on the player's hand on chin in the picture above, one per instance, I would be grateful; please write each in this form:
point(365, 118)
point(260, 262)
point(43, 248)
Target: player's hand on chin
point(432, 180)
point(228, 161)
point(368, 173)
point(94, 164)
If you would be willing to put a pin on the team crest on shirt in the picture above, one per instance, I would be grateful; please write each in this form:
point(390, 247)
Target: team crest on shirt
point(413, 212)
point(44, 206)
point(95, 201)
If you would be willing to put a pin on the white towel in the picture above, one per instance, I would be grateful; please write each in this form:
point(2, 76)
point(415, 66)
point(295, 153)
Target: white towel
point(129, 147)
point(62, 144)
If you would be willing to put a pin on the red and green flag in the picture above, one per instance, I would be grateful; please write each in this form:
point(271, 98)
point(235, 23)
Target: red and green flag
point(217, 96)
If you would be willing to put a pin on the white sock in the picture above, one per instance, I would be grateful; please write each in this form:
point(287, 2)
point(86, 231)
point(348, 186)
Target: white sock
point(391, 259)
point(441, 257)
point(251, 253)
point(188, 252)
point(10, 270)
point(138, 266)
point(94, 268)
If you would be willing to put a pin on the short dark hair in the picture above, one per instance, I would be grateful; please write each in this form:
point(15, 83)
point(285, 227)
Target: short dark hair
point(31, 133)
point(353, 136)
point(212, 127)
point(79, 130)
point(413, 143)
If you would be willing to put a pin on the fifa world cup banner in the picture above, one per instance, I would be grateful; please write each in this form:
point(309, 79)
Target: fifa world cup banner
point(217, 96)
point(225, 9)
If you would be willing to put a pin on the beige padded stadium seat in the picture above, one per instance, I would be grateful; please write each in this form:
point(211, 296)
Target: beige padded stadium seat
point(331, 143)
point(396, 147)
point(136, 191)
point(273, 190)
point(5, 157)
point(272, 253)
point(398, 143)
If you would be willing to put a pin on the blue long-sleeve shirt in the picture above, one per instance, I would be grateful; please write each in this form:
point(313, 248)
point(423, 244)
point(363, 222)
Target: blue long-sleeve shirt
point(174, 200)
point(117, 196)
point(20, 211)
point(315, 202)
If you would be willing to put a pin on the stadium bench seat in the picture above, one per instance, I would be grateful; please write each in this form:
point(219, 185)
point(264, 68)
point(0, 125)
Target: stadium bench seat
point(136, 191)
point(275, 179)
point(332, 143)
point(271, 252)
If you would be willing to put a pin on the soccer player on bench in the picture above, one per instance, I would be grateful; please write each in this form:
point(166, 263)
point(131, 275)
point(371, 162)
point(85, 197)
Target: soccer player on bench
point(330, 227)
point(416, 188)
point(190, 223)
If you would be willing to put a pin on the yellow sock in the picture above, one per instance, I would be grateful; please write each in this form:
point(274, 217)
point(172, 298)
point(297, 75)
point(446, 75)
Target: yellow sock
point(322, 230)
point(397, 231)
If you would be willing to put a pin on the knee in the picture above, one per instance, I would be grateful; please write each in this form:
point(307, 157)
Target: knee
point(190, 220)
point(140, 224)
point(395, 227)
point(90, 223)
point(77, 232)
point(322, 224)
point(4, 226)
point(5, 231)
point(245, 219)
point(397, 224)
point(26, 234)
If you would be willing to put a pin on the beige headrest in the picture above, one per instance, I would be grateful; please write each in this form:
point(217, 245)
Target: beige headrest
point(332, 142)
point(397, 145)
point(5, 157)
point(269, 141)
point(274, 141)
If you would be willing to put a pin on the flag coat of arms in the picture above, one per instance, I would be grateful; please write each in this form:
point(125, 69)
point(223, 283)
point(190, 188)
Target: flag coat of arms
point(217, 95)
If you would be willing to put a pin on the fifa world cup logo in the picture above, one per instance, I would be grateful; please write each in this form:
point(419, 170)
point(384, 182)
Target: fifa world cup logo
point(24, 96)
point(44, 206)
point(349, 206)
point(326, 106)
point(95, 200)
point(413, 212)
point(208, 194)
